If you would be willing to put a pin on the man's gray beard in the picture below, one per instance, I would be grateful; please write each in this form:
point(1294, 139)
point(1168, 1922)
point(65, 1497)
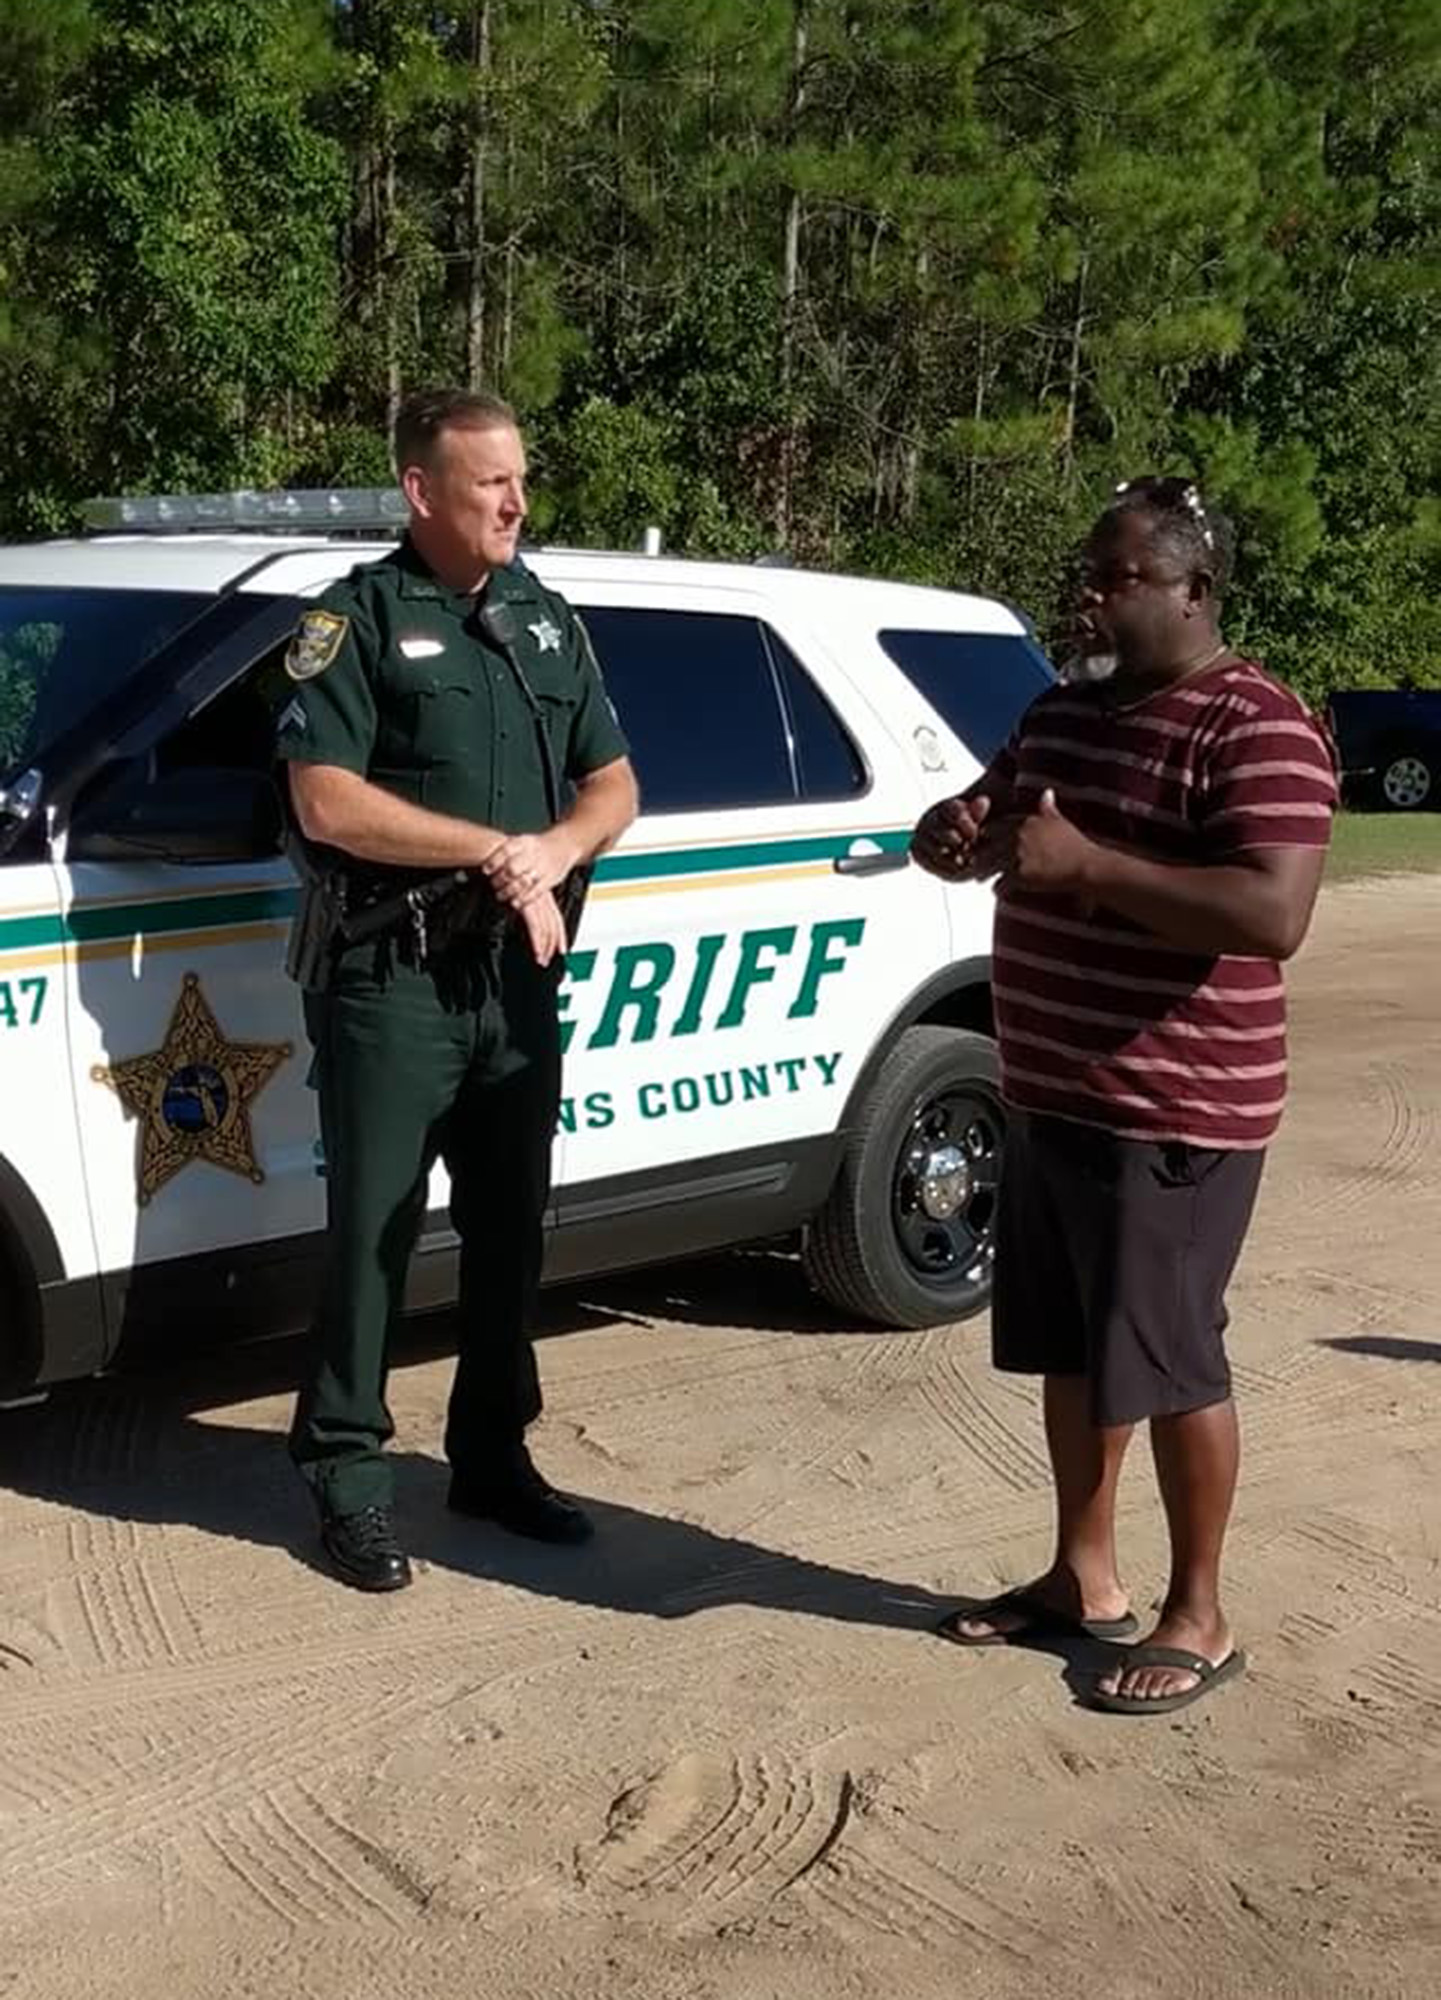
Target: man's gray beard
point(1089, 667)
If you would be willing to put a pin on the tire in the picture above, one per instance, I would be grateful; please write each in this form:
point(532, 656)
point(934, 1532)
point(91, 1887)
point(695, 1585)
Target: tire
point(907, 1234)
point(1408, 779)
point(18, 1361)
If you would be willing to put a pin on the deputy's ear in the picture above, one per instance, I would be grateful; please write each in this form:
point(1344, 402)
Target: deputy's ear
point(1202, 588)
point(415, 485)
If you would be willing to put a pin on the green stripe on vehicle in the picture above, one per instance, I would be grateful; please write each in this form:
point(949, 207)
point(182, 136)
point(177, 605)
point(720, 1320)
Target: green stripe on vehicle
point(198, 913)
point(103, 923)
point(744, 854)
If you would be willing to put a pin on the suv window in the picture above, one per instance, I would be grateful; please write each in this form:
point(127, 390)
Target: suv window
point(827, 763)
point(63, 651)
point(981, 682)
point(235, 730)
point(697, 697)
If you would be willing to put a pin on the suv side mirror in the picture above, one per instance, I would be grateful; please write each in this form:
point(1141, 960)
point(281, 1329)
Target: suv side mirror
point(213, 815)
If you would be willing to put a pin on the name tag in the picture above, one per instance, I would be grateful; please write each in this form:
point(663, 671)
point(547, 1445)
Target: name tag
point(422, 649)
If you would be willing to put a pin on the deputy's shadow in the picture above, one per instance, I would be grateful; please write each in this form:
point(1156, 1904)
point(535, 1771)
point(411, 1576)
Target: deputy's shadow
point(1385, 1347)
point(760, 1288)
point(141, 1451)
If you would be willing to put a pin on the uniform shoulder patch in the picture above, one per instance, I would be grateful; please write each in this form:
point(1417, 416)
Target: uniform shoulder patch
point(318, 638)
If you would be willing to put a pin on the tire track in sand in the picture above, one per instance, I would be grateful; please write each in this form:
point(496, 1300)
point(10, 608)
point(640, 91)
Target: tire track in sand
point(419, 1636)
point(123, 1616)
point(712, 1839)
point(883, 1885)
point(225, 1767)
point(822, 1437)
point(1403, 1155)
point(300, 1861)
point(973, 1417)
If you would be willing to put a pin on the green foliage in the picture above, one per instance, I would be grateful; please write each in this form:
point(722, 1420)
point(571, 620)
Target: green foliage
point(903, 285)
point(178, 277)
point(26, 652)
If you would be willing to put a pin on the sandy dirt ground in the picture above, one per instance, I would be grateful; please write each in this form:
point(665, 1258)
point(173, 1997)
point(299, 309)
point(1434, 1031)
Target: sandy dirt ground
point(717, 1755)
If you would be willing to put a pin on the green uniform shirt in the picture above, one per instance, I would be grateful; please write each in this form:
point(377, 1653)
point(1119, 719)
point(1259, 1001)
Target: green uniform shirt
point(395, 680)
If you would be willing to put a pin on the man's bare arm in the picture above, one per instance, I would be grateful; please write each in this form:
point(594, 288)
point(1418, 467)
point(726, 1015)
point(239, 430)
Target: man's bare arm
point(605, 803)
point(338, 808)
point(1257, 906)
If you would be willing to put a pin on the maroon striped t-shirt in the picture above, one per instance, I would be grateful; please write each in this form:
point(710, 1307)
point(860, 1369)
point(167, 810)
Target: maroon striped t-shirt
point(1099, 1020)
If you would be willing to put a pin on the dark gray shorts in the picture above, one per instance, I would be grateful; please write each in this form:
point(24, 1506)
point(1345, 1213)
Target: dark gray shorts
point(1112, 1261)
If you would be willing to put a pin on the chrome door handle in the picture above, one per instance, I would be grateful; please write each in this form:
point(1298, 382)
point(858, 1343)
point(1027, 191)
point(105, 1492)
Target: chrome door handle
point(872, 864)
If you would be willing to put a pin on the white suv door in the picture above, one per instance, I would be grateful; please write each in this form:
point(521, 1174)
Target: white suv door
point(745, 947)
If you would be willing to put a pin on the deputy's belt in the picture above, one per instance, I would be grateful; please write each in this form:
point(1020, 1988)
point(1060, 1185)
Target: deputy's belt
point(370, 915)
point(429, 916)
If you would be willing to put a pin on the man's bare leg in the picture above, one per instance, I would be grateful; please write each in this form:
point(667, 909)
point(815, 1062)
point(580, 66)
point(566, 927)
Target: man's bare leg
point(1197, 1458)
point(1086, 1461)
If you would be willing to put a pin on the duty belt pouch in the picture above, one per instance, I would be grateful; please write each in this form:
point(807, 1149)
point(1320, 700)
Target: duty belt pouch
point(468, 915)
point(314, 931)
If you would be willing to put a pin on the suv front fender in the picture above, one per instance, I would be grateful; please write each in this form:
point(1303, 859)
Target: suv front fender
point(51, 1328)
point(958, 995)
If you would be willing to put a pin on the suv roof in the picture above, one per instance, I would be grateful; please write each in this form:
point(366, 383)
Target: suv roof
point(291, 565)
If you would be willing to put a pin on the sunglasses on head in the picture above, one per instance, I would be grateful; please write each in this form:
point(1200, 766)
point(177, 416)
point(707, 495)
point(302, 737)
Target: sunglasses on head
point(1171, 495)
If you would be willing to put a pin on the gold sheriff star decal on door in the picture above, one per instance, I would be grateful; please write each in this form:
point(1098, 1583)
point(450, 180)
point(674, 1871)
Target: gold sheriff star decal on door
point(193, 1095)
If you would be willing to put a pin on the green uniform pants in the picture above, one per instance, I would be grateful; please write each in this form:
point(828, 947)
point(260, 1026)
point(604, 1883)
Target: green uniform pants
point(405, 1079)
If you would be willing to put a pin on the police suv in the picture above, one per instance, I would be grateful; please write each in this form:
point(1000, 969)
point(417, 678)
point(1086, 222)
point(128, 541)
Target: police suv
point(772, 1022)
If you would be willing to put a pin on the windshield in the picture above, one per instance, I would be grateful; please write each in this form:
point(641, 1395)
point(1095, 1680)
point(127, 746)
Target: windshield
point(64, 650)
point(982, 682)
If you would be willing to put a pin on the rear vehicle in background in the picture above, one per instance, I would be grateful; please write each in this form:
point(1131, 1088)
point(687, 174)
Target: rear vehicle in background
point(1389, 742)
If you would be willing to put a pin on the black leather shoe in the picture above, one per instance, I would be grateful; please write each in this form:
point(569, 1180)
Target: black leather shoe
point(525, 1504)
point(364, 1551)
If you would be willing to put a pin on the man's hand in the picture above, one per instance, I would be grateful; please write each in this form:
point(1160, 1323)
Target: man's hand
point(1049, 854)
point(947, 840)
point(544, 926)
point(527, 866)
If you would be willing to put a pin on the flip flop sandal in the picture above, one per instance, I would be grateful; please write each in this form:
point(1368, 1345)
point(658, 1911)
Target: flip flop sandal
point(1043, 1621)
point(1209, 1675)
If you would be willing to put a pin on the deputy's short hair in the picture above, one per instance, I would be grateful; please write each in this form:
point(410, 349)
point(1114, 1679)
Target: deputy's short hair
point(426, 415)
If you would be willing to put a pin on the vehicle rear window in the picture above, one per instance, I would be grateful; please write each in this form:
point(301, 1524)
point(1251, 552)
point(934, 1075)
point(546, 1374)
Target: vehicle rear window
point(828, 764)
point(982, 683)
point(63, 651)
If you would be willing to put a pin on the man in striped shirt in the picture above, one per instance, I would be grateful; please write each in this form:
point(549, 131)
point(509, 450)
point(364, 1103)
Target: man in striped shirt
point(1159, 835)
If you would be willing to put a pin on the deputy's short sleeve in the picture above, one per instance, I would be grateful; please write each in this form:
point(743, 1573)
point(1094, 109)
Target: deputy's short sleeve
point(1269, 779)
point(330, 717)
point(596, 737)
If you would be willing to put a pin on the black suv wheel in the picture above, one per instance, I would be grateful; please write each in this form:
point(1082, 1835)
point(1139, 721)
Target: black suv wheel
point(907, 1235)
point(17, 1324)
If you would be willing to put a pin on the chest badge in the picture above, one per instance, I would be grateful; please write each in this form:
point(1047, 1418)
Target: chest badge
point(193, 1096)
point(545, 635)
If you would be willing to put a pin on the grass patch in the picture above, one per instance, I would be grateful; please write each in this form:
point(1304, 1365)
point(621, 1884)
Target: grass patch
point(1384, 844)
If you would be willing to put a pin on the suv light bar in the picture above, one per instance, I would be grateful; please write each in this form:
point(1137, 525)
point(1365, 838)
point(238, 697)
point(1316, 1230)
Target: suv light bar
point(380, 508)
